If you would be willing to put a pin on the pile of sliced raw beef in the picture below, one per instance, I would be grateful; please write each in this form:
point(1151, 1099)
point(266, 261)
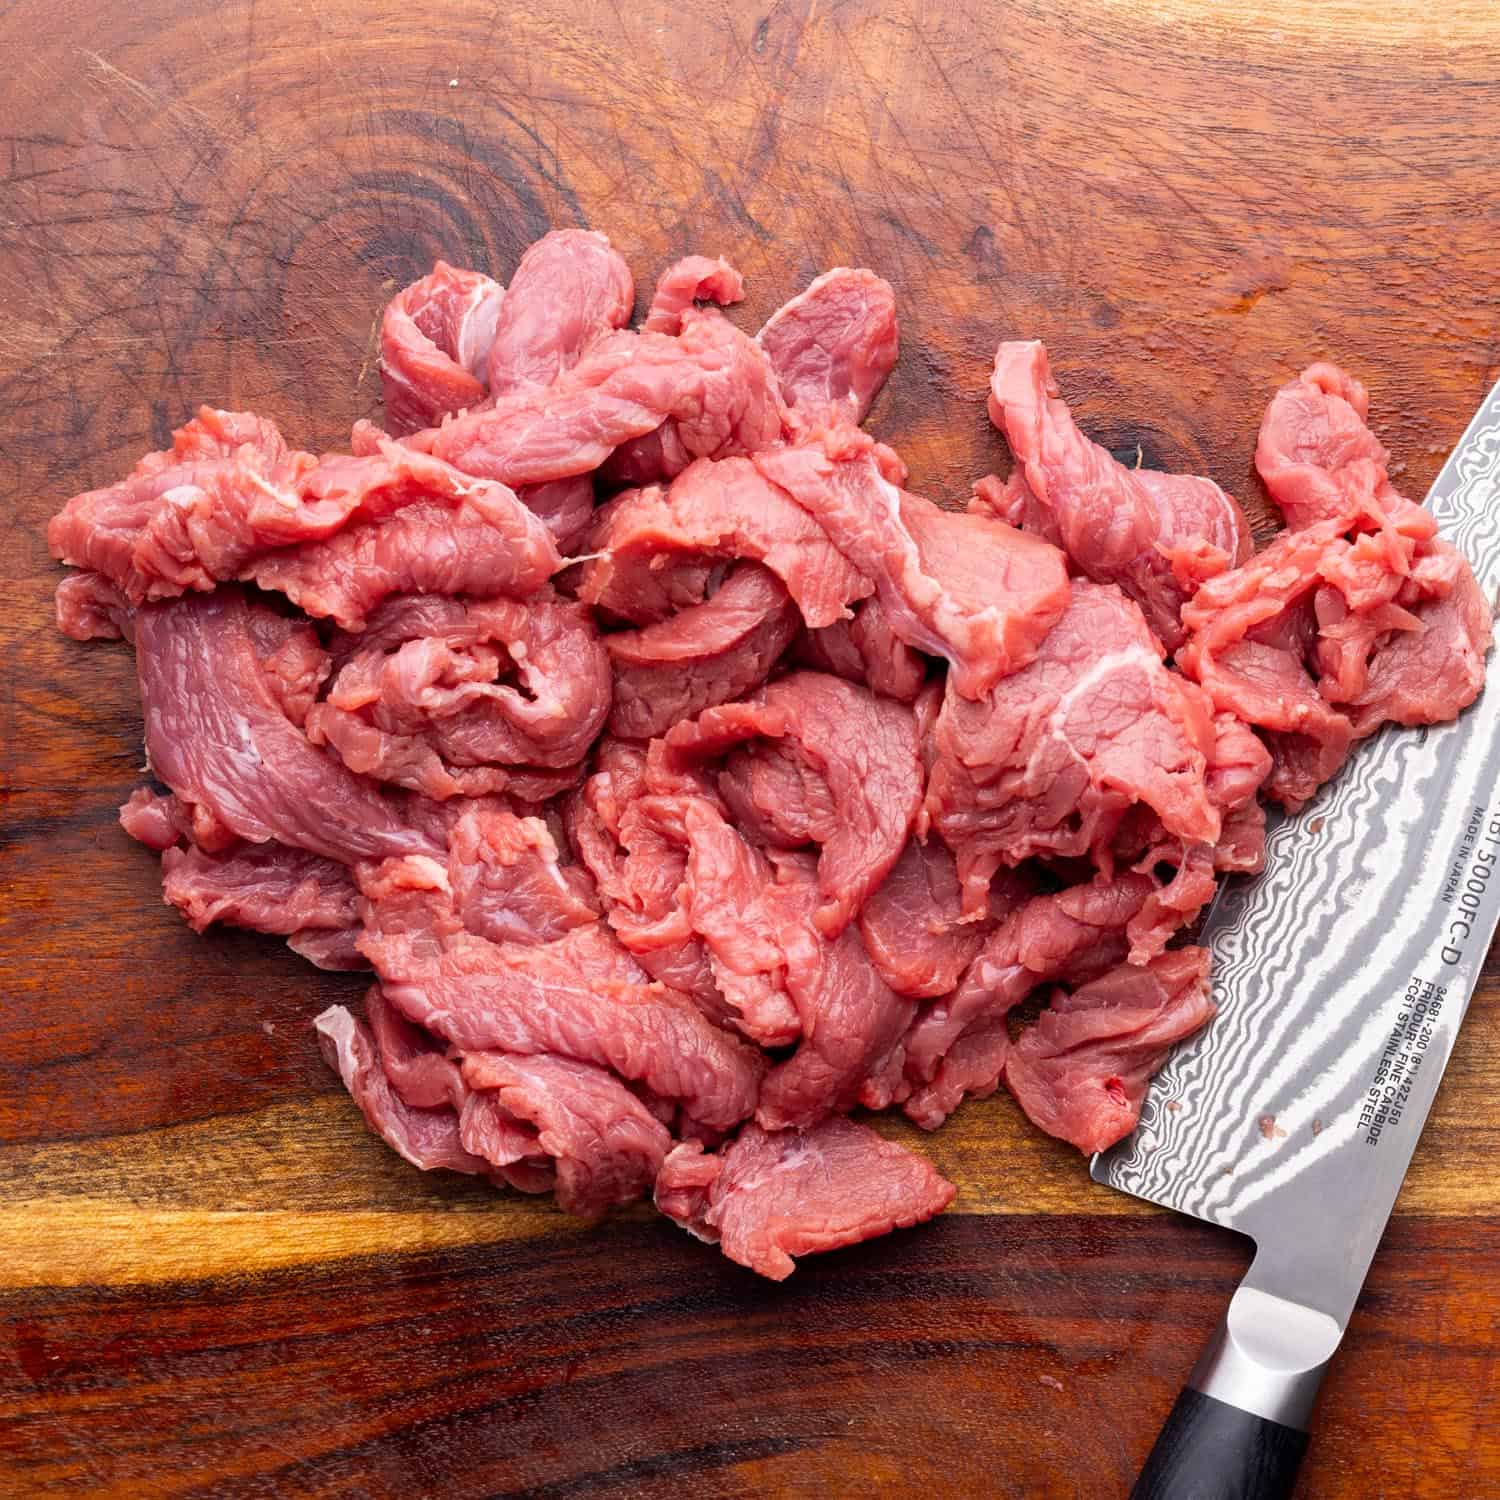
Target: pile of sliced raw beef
point(688, 781)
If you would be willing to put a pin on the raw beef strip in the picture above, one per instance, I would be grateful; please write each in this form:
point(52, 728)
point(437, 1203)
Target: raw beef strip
point(91, 608)
point(508, 882)
point(636, 869)
point(1080, 1071)
point(247, 508)
point(160, 821)
point(711, 381)
point(488, 1129)
point(664, 452)
point(747, 917)
point(1250, 633)
point(960, 1043)
point(778, 797)
point(1054, 757)
point(1317, 456)
point(833, 345)
point(458, 535)
point(772, 1195)
point(1238, 765)
point(570, 288)
point(973, 590)
point(913, 924)
point(1401, 606)
point(1155, 535)
point(604, 1145)
point(266, 887)
point(1425, 676)
point(427, 1138)
point(580, 996)
point(1256, 670)
point(706, 654)
point(694, 278)
point(416, 1062)
point(334, 948)
point(424, 697)
point(189, 516)
point(852, 1022)
point(292, 659)
point(690, 898)
point(652, 544)
point(865, 650)
point(631, 844)
point(1237, 771)
point(435, 342)
point(1355, 616)
point(860, 756)
point(218, 736)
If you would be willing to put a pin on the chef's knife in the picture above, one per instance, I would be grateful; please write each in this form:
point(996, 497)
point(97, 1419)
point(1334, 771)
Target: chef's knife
point(1342, 975)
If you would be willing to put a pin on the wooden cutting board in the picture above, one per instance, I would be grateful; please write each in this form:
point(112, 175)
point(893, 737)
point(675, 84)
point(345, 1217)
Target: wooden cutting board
point(213, 1281)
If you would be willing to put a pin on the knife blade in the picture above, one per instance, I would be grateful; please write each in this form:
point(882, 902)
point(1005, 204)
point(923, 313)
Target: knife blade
point(1342, 974)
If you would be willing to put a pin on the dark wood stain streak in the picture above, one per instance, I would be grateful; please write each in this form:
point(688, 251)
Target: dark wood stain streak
point(212, 1282)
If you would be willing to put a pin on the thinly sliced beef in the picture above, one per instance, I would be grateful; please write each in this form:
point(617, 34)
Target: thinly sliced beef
point(230, 501)
point(424, 697)
point(418, 1065)
point(427, 1138)
point(1317, 455)
point(1427, 675)
point(508, 882)
point(960, 1043)
point(862, 764)
point(651, 546)
point(1355, 616)
point(454, 535)
point(694, 278)
point(711, 381)
point(833, 345)
point(913, 925)
point(266, 887)
point(570, 288)
point(1055, 756)
point(772, 1195)
point(605, 1147)
point(580, 996)
point(634, 847)
point(973, 590)
point(1155, 535)
point(185, 518)
point(865, 650)
point(704, 655)
point(218, 736)
point(698, 906)
point(808, 868)
point(435, 342)
point(509, 1145)
point(159, 821)
point(852, 1022)
point(748, 918)
point(1254, 668)
point(91, 608)
point(1081, 1070)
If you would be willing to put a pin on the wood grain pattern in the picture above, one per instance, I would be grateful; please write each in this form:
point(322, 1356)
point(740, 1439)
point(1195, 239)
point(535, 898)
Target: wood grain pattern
point(212, 1281)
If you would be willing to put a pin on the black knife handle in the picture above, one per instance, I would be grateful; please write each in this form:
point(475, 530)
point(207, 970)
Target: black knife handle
point(1209, 1450)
